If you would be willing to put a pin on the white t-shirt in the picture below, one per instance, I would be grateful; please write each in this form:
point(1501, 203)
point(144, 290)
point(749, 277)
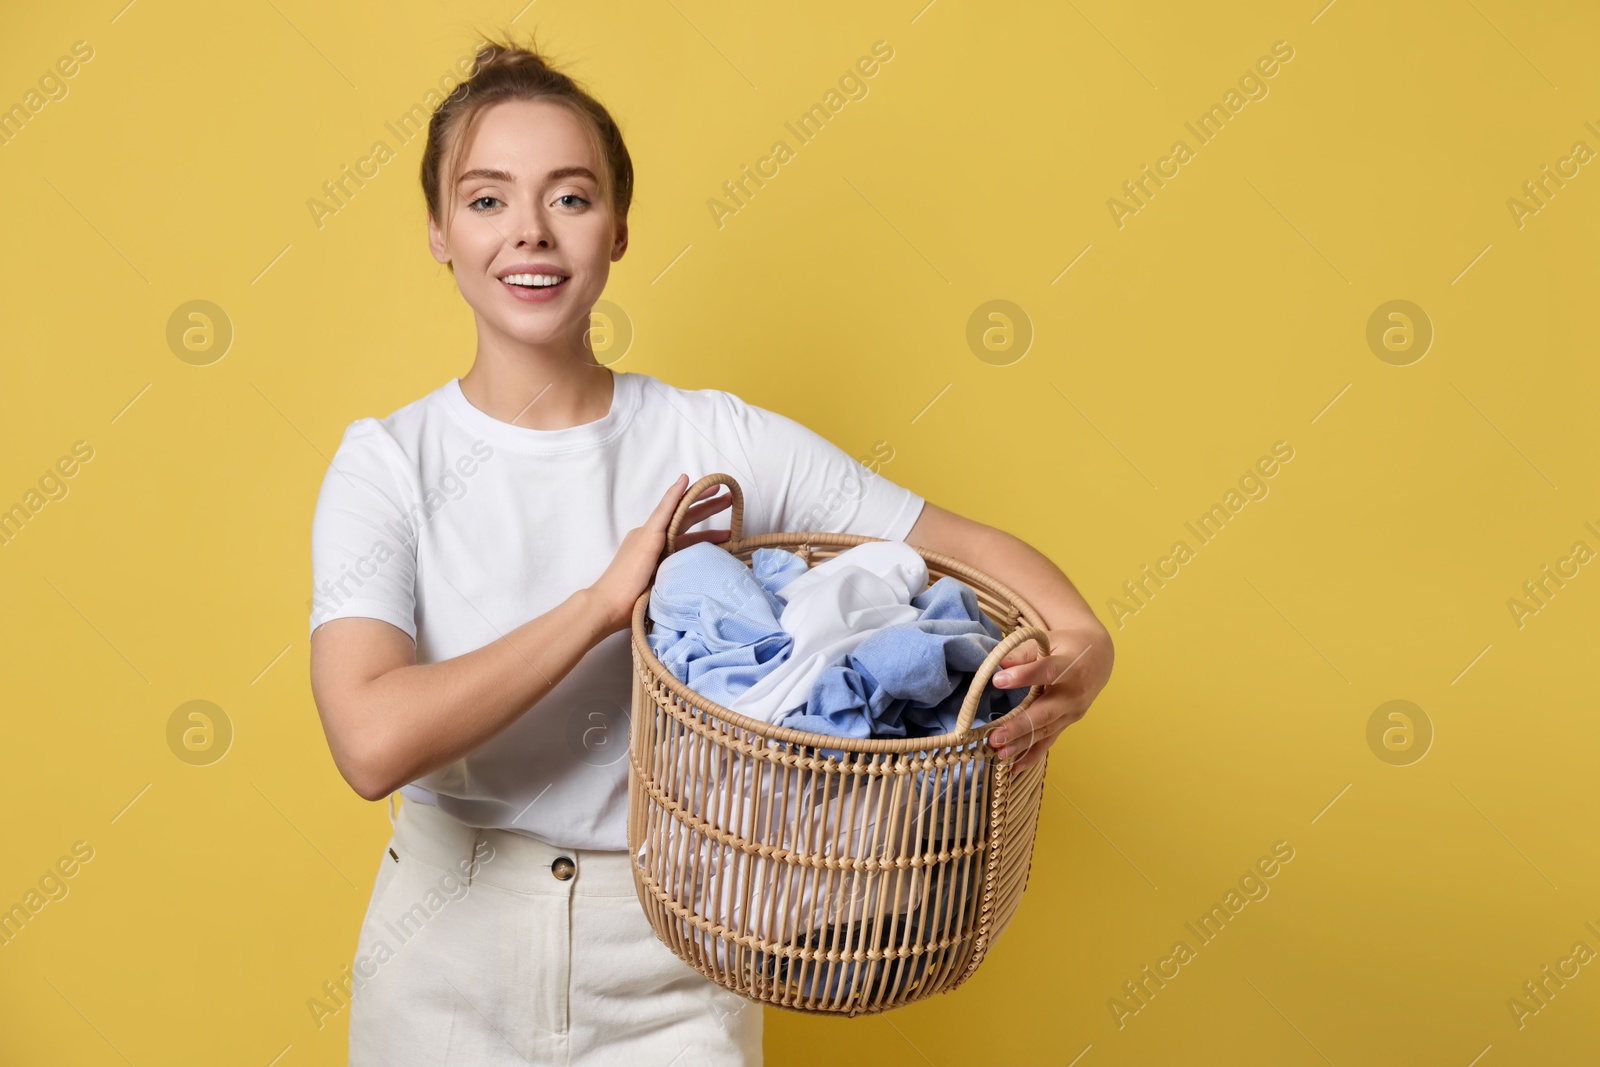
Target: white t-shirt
point(457, 528)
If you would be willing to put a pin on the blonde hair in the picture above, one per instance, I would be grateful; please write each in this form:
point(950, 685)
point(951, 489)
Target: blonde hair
point(504, 70)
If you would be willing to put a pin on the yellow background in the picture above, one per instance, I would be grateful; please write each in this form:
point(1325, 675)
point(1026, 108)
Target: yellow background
point(1226, 315)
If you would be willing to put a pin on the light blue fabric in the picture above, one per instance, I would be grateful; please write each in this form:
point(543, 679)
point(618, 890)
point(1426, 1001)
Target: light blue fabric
point(714, 620)
point(909, 680)
point(715, 626)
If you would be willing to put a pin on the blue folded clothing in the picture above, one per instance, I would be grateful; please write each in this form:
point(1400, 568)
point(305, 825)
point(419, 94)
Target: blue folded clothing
point(714, 620)
point(715, 626)
point(910, 680)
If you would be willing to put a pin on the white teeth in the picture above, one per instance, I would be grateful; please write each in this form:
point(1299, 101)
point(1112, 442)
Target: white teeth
point(538, 281)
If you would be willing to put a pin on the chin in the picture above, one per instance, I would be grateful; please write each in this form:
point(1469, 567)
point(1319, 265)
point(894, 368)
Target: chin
point(533, 334)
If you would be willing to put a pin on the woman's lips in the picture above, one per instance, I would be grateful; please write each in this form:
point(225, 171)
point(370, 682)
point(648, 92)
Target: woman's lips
point(530, 295)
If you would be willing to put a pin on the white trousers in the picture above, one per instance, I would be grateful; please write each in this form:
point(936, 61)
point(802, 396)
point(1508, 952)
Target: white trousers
point(475, 950)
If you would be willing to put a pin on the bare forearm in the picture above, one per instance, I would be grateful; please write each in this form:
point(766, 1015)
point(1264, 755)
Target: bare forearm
point(1023, 568)
point(419, 718)
point(1044, 585)
point(1052, 594)
point(1027, 571)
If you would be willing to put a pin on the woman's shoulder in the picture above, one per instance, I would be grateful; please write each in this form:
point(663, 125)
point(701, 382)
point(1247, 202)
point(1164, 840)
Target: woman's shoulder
point(725, 416)
point(397, 436)
point(708, 400)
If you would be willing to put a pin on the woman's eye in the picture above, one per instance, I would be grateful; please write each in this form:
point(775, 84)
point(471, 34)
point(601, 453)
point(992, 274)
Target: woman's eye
point(473, 204)
point(571, 196)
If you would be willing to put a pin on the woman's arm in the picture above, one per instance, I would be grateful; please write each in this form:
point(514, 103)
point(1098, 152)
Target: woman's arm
point(1079, 663)
point(390, 721)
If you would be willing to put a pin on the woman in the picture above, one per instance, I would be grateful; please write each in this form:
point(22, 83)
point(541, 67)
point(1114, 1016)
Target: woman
point(476, 555)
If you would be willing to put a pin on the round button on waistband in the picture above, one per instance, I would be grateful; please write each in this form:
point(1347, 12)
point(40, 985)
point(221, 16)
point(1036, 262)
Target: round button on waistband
point(563, 868)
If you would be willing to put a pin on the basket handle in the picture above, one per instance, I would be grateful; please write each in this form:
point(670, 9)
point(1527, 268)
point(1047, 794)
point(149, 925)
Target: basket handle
point(980, 680)
point(692, 495)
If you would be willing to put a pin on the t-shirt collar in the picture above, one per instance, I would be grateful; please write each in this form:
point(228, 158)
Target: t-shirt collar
point(624, 400)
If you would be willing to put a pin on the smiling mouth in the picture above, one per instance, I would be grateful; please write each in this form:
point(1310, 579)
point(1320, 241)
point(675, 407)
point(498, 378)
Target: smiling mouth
point(534, 281)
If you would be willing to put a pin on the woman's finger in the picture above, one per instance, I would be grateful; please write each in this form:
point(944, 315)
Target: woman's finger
point(1039, 718)
point(674, 491)
point(695, 512)
point(1039, 748)
point(1017, 735)
point(704, 509)
point(1033, 743)
point(662, 515)
point(1023, 653)
point(1056, 728)
point(1045, 671)
point(703, 535)
point(1048, 670)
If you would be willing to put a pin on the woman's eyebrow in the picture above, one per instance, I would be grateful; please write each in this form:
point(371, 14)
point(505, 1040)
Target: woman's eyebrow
point(491, 174)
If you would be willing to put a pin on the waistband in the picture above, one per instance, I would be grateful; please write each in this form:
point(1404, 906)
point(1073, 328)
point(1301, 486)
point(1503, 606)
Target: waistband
point(506, 858)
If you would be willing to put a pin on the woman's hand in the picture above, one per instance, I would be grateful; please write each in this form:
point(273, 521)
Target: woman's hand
point(1077, 668)
point(630, 572)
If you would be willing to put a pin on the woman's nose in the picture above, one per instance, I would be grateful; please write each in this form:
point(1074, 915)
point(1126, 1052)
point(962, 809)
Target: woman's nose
point(533, 228)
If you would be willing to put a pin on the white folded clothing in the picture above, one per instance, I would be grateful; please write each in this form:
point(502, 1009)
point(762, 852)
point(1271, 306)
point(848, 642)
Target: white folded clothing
point(831, 609)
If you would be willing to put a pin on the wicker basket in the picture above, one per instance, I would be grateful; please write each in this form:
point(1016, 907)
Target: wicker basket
point(824, 874)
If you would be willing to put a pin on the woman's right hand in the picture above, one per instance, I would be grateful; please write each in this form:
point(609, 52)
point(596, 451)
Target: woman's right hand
point(630, 572)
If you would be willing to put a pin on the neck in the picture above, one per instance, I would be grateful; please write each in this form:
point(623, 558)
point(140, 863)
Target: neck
point(538, 387)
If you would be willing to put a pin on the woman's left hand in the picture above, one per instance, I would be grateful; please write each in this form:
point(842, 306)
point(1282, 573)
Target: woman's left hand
point(1077, 668)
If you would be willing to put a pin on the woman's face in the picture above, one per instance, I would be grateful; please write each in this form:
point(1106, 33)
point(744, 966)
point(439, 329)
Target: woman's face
point(527, 206)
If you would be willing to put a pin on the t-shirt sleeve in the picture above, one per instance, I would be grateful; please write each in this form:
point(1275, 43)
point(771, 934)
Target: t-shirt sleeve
point(363, 537)
point(804, 482)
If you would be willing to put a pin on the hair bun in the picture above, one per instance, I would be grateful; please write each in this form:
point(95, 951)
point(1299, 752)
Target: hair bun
point(496, 54)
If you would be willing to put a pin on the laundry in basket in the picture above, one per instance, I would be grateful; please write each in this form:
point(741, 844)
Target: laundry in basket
point(823, 873)
point(855, 648)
